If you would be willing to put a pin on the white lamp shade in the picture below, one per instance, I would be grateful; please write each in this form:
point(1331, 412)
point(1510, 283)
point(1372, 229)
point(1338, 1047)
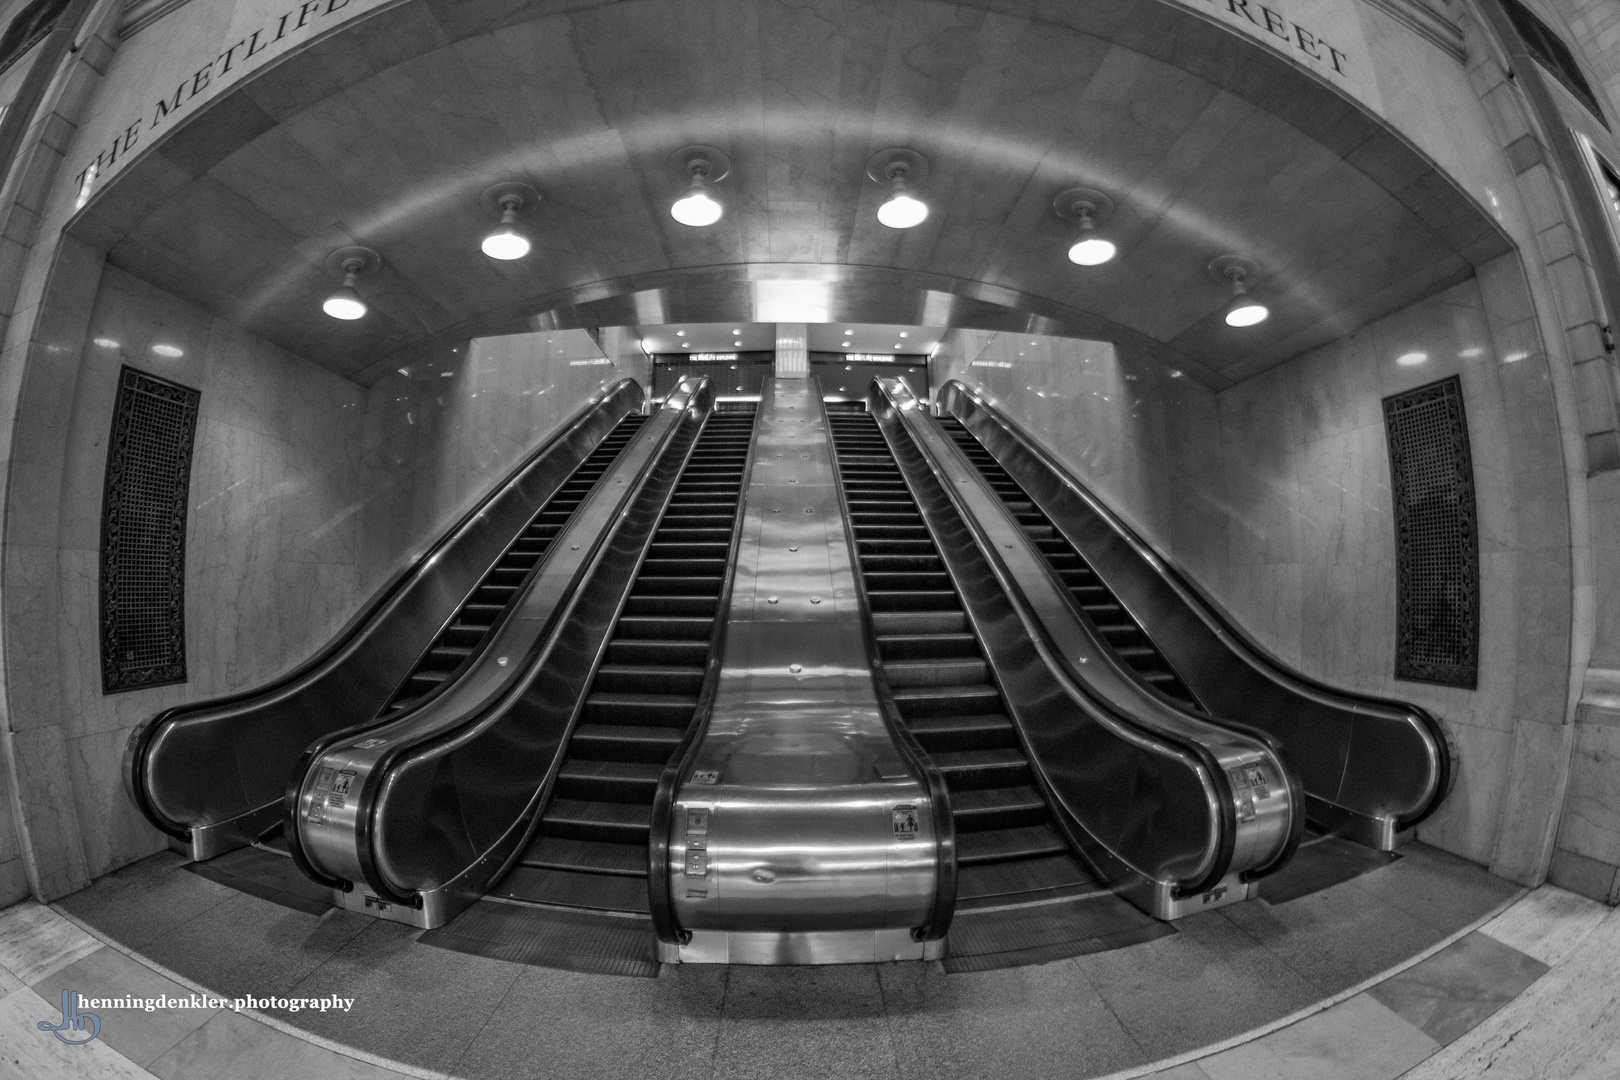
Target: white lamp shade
point(902, 212)
point(696, 209)
point(345, 304)
point(506, 243)
point(1246, 312)
point(1092, 251)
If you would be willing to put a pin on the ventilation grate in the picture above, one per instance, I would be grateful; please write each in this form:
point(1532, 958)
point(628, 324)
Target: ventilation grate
point(143, 533)
point(1436, 536)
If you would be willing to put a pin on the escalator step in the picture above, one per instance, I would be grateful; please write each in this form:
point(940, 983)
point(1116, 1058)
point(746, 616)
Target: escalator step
point(626, 742)
point(947, 733)
point(947, 700)
point(997, 808)
point(588, 856)
point(926, 646)
point(609, 781)
point(647, 626)
point(898, 623)
point(1005, 845)
point(648, 710)
point(669, 653)
point(605, 822)
point(938, 600)
point(952, 672)
point(997, 767)
point(641, 679)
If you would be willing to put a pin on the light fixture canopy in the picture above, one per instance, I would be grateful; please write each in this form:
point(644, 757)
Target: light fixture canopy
point(900, 169)
point(1088, 208)
point(345, 302)
point(508, 241)
point(702, 166)
point(1238, 271)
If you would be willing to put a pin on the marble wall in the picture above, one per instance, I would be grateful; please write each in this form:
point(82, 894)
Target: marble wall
point(1274, 495)
point(307, 492)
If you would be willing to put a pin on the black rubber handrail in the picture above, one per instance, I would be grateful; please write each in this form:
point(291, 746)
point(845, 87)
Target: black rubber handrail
point(1068, 820)
point(503, 701)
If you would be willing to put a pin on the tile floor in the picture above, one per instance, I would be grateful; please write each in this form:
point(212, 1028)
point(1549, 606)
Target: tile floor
point(1528, 993)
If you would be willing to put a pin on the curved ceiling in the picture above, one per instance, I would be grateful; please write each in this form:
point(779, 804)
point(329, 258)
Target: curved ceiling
point(386, 133)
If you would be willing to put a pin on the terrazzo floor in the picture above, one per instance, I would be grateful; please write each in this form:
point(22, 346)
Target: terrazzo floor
point(1321, 986)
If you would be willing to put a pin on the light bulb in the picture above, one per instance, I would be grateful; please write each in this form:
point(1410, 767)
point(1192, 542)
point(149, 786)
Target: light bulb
point(901, 211)
point(506, 242)
point(696, 209)
point(1092, 251)
point(1247, 312)
point(1243, 310)
point(345, 303)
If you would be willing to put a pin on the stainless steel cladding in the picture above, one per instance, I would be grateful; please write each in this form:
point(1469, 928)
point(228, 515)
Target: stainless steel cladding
point(422, 812)
point(213, 774)
point(800, 833)
point(1370, 766)
point(1179, 814)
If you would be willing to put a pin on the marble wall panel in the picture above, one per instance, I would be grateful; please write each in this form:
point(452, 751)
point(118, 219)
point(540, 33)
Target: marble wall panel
point(440, 430)
point(1591, 821)
point(1275, 496)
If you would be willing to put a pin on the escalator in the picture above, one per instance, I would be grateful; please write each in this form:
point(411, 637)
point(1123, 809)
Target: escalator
point(590, 850)
point(1007, 849)
point(495, 591)
point(1091, 595)
point(1370, 767)
point(212, 774)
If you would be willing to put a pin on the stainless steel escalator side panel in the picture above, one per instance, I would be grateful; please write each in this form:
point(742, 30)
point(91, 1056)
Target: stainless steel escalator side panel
point(1370, 766)
point(1268, 809)
point(1152, 813)
point(213, 774)
point(423, 810)
point(799, 834)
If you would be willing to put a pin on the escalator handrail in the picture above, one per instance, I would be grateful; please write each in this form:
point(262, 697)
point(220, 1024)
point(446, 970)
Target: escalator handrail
point(1212, 778)
point(446, 736)
point(1216, 617)
point(418, 563)
point(1179, 711)
point(660, 900)
point(295, 782)
point(920, 762)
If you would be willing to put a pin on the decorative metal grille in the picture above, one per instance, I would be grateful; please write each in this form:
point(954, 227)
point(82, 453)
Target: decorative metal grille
point(143, 533)
point(1436, 536)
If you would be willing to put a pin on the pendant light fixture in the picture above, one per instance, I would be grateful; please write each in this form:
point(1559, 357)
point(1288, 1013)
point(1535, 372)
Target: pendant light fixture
point(700, 166)
point(345, 302)
point(1087, 208)
point(900, 169)
point(509, 240)
point(1238, 271)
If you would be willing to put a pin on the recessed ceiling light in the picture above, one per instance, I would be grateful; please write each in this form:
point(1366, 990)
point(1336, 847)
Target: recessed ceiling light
point(169, 351)
point(685, 345)
point(904, 334)
point(106, 343)
point(1412, 359)
point(680, 333)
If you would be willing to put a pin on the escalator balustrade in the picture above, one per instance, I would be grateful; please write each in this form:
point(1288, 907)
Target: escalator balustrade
point(1008, 850)
point(504, 580)
point(590, 848)
point(1096, 602)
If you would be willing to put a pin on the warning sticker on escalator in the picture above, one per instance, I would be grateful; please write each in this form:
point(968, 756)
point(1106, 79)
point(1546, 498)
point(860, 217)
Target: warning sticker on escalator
point(905, 822)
